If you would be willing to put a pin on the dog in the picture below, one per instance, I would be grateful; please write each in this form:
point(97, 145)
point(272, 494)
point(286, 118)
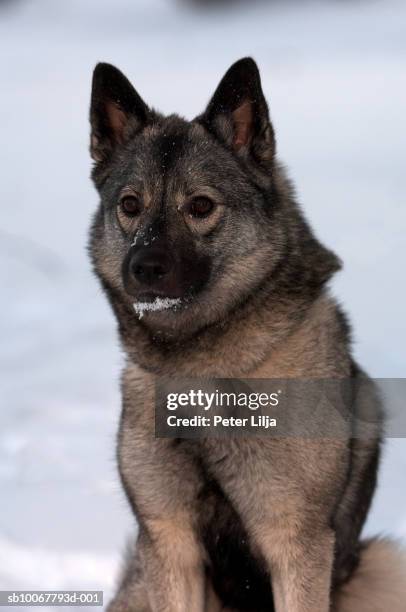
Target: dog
point(213, 272)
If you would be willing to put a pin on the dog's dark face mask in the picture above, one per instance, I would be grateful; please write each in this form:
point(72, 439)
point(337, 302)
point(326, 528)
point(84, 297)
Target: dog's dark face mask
point(187, 227)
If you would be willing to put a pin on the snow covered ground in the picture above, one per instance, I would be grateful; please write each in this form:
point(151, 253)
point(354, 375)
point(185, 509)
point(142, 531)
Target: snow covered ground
point(334, 75)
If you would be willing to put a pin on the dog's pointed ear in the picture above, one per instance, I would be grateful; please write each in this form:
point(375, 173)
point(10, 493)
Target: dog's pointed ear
point(115, 110)
point(238, 113)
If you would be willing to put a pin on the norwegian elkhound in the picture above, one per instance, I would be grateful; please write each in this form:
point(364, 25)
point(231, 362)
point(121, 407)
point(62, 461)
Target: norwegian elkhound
point(212, 272)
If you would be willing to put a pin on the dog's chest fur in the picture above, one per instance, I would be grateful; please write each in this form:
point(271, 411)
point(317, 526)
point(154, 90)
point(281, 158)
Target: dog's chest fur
point(290, 468)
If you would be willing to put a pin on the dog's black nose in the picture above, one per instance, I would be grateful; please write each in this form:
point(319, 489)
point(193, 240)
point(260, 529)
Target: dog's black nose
point(150, 265)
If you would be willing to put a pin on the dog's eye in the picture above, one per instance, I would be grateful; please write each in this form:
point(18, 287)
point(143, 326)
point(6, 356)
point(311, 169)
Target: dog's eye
point(199, 208)
point(130, 205)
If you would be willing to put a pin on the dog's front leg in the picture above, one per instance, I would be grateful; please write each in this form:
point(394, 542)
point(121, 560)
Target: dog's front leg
point(173, 566)
point(301, 569)
point(285, 506)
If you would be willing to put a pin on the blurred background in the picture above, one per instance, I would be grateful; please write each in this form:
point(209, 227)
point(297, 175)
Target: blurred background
point(334, 74)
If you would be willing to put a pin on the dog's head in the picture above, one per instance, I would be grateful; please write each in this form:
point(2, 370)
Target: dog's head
point(190, 221)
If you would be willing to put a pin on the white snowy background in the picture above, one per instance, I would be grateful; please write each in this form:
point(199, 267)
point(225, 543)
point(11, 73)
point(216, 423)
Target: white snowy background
point(334, 73)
